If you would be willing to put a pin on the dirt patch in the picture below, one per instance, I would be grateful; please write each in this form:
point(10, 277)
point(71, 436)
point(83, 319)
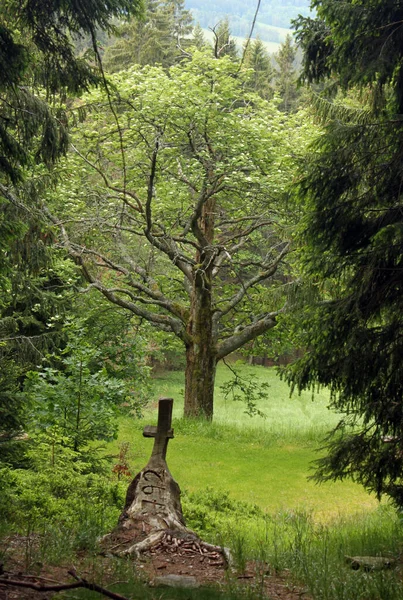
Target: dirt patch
point(159, 563)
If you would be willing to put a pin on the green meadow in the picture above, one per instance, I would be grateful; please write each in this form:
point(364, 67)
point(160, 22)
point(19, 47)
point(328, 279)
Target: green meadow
point(245, 486)
point(263, 460)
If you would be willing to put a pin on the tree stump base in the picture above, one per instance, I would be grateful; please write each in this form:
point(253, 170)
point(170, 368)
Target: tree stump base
point(152, 521)
point(152, 518)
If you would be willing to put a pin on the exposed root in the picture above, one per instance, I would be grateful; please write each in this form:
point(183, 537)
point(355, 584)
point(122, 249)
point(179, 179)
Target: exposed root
point(180, 543)
point(140, 547)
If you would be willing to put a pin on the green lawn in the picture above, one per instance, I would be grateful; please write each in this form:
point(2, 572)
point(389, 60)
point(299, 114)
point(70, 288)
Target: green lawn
point(263, 461)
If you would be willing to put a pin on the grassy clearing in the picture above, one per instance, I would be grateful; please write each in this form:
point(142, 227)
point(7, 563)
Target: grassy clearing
point(262, 461)
point(316, 553)
point(283, 414)
point(244, 486)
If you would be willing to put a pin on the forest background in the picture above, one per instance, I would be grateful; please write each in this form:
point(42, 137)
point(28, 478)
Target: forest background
point(150, 223)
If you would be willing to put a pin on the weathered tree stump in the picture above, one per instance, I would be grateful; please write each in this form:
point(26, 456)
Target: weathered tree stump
point(152, 516)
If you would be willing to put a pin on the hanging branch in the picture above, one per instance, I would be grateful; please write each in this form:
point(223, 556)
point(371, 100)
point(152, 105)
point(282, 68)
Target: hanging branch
point(249, 36)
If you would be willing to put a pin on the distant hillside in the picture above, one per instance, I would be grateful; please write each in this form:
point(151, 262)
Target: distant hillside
point(275, 33)
point(273, 16)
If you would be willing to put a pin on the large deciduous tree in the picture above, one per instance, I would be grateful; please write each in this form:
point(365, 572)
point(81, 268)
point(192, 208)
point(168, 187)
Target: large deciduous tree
point(179, 214)
point(353, 239)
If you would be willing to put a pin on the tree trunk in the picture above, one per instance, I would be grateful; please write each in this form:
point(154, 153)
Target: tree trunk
point(199, 381)
point(201, 359)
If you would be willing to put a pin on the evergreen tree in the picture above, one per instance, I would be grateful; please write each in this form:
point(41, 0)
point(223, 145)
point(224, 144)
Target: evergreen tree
point(286, 80)
point(258, 59)
point(160, 45)
point(36, 51)
point(198, 40)
point(182, 21)
point(158, 38)
point(38, 72)
point(353, 240)
point(224, 44)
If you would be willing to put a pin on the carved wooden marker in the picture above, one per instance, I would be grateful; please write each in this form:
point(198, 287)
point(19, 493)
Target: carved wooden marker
point(153, 497)
point(163, 432)
point(152, 517)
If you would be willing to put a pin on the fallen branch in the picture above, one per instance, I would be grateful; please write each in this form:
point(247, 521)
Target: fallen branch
point(40, 587)
point(80, 583)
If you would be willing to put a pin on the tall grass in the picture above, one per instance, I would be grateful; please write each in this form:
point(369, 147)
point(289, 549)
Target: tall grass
point(283, 413)
point(314, 553)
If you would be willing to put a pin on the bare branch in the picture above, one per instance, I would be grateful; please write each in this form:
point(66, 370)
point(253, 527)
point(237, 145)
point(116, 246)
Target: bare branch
point(40, 587)
point(163, 322)
point(249, 36)
point(247, 231)
point(250, 332)
point(265, 274)
point(13, 199)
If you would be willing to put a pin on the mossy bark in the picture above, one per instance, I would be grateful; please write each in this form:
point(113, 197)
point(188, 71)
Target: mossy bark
point(201, 359)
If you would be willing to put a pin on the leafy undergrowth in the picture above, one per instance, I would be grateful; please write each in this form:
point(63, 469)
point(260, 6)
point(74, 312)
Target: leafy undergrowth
point(52, 522)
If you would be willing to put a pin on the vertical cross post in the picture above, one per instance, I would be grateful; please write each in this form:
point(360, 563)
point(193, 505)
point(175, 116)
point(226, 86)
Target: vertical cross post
point(163, 432)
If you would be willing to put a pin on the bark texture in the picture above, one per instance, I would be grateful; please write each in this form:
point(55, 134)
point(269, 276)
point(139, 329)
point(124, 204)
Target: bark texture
point(200, 351)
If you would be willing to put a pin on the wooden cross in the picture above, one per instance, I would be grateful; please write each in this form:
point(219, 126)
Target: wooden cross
point(163, 432)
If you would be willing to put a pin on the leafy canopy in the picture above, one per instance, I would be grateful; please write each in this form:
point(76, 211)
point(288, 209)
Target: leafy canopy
point(180, 215)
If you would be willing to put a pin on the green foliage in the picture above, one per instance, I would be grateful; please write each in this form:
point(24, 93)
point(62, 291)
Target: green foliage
point(122, 345)
point(352, 243)
point(210, 510)
point(357, 43)
point(38, 54)
point(246, 389)
point(35, 297)
point(39, 71)
point(74, 404)
point(66, 509)
point(159, 37)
